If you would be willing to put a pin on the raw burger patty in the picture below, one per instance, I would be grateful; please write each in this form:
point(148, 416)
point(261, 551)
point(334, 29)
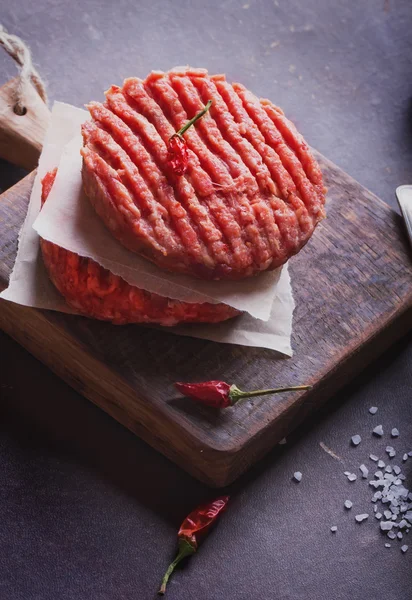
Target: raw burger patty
point(95, 292)
point(252, 194)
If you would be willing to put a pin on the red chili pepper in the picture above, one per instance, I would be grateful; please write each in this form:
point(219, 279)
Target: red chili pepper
point(193, 528)
point(178, 153)
point(220, 394)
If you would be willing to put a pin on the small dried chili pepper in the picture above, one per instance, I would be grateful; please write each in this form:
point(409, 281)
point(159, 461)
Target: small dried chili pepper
point(220, 394)
point(193, 528)
point(178, 153)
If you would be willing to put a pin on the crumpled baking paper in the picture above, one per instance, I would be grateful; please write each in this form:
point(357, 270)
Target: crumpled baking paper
point(68, 220)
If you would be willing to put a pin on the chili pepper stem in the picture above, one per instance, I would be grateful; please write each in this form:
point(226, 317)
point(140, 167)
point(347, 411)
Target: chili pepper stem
point(236, 394)
point(199, 115)
point(185, 549)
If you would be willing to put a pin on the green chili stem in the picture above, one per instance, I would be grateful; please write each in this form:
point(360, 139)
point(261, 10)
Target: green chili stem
point(195, 118)
point(185, 549)
point(236, 394)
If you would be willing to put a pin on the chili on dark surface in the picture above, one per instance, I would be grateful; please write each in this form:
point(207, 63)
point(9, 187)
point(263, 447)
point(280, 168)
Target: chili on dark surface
point(194, 527)
point(220, 394)
point(178, 153)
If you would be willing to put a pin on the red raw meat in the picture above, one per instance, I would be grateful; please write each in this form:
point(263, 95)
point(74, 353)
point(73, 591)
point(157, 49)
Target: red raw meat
point(96, 292)
point(249, 200)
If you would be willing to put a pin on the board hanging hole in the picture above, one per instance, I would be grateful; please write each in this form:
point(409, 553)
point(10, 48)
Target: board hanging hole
point(19, 110)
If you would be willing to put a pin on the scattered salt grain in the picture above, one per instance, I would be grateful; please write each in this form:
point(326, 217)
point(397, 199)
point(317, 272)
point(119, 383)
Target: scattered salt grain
point(373, 410)
point(410, 453)
point(395, 432)
point(387, 545)
point(348, 504)
point(405, 457)
point(386, 525)
point(388, 469)
point(396, 470)
point(282, 442)
point(404, 548)
point(402, 524)
point(391, 535)
point(381, 464)
point(378, 515)
point(399, 535)
point(333, 528)
point(356, 440)
point(364, 471)
point(362, 517)
point(378, 431)
point(297, 476)
point(374, 457)
point(388, 514)
point(352, 477)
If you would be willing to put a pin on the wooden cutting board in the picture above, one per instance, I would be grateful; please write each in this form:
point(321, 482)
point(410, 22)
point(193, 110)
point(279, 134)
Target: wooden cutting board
point(353, 290)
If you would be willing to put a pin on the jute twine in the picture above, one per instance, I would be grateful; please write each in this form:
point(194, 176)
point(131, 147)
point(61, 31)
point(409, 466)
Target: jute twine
point(18, 50)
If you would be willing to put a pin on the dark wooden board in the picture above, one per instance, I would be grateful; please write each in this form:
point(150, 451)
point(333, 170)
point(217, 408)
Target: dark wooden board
point(353, 290)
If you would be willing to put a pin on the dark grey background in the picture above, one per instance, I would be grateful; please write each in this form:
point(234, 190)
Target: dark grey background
point(88, 511)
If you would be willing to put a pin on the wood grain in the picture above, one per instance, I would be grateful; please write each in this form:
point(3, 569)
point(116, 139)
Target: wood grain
point(353, 290)
point(21, 136)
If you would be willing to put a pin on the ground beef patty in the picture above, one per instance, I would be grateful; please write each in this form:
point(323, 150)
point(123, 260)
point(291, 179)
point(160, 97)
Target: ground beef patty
point(252, 194)
point(96, 292)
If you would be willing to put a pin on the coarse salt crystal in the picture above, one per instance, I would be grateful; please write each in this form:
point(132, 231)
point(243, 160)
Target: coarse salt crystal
point(404, 548)
point(395, 432)
point(378, 430)
point(333, 528)
point(364, 471)
point(373, 410)
point(362, 517)
point(348, 504)
point(356, 440)
point(297, 476)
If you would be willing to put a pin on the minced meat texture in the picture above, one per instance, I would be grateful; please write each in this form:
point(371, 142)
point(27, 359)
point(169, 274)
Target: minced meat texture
point(249, 200)
point(96, 292)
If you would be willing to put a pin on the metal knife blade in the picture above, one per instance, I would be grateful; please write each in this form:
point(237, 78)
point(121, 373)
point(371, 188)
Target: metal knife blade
point(404, 196)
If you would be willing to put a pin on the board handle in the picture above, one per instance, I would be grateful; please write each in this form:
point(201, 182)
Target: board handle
point(21, 136)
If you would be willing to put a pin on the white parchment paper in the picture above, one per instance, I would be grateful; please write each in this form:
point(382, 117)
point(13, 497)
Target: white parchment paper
point(69, 220)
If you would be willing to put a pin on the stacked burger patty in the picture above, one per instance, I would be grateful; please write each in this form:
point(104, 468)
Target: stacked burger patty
point(249, 199)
